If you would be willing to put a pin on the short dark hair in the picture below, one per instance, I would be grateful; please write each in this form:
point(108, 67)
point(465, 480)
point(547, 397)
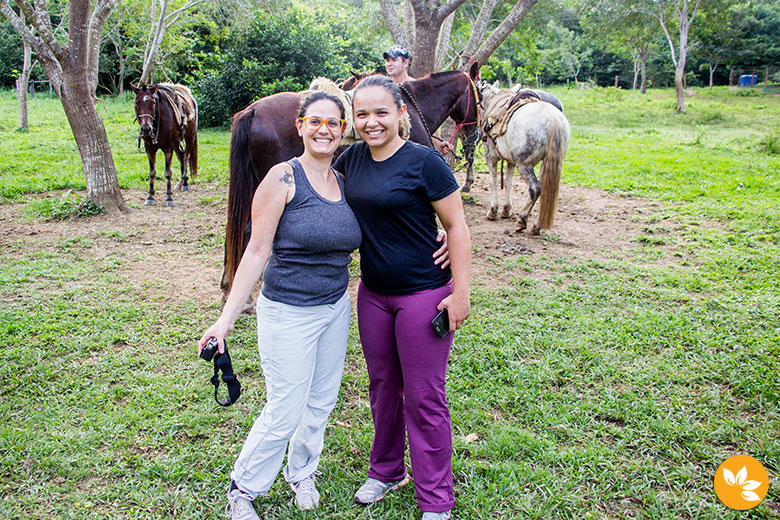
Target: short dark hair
point(384, 82)
point(318, 95)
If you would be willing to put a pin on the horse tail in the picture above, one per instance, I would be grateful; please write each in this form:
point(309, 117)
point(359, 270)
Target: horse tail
point(551, 173)
point(241, 190)
point(194, 155)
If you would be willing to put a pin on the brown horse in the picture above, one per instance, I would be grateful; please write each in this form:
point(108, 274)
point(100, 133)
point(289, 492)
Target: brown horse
point(168, 115)
point(264, 134)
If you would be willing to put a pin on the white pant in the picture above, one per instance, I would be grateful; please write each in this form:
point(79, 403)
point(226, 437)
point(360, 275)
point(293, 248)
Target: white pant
point(302, 352)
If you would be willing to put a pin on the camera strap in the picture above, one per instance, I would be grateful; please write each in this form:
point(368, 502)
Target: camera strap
point(222, 362)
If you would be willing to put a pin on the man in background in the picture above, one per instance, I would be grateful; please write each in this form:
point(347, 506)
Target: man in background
point(397, 60)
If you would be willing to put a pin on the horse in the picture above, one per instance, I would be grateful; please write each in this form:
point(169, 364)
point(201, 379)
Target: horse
point(167, 115)
point(264, 134)
point(536, 131)
point(520, 94)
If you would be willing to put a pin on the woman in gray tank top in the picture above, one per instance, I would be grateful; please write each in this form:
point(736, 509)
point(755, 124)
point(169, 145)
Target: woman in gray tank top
point(303, 233)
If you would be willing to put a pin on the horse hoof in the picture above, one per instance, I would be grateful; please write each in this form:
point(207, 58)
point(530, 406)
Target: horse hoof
point(535, 230)
point(492, 214)
point(506, 213)
point(170, 203)
point(466, 188)
point(521, 226)
point(185, 188)
point(149, 202)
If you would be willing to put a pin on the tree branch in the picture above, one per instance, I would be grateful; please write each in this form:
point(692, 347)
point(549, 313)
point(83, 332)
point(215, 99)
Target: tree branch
point(393, 22)
point(500, 33)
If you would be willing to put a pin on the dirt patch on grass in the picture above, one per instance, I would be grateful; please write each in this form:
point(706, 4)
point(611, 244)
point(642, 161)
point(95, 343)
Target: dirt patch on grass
point(175, 253)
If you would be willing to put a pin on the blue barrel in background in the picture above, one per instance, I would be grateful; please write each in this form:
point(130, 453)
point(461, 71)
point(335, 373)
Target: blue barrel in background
point(748, 80)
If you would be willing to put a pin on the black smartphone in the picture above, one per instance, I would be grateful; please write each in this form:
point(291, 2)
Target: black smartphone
point(441, 323)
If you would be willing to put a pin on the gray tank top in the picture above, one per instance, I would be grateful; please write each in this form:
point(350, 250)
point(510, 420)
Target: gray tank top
point(312, 248)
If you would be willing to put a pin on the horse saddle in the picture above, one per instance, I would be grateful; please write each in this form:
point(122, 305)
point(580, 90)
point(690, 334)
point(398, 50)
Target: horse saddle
point(500, 109)
point(181, 101)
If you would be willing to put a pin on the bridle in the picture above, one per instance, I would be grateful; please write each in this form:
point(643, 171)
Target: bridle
point(153, 117)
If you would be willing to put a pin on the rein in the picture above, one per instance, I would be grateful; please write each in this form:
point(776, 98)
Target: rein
point(459, 126)
point(419, 112)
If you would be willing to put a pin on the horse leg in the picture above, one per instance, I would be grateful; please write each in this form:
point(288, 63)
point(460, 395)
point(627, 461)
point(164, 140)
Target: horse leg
point(183, 157)
point(468, 153)
point(168, 158)
point(534, 188)
point(506, 210)
point(151, 154)
point(492, 164)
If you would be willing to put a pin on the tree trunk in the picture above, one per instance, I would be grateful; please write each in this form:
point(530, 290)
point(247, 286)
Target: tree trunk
point(443, 45)
point(23, 82)
point(157, 33)
point(92, 143)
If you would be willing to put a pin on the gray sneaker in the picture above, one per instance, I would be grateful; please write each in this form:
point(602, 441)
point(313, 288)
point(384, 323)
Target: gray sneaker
point(240, 506)
point(374, 490)
point(306, 494)
point(446, 515)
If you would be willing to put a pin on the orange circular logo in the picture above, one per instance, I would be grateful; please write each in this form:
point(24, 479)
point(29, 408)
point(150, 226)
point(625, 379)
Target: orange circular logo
point(741, 482)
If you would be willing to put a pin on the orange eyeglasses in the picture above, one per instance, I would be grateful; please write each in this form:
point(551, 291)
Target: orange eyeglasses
point(315, 123)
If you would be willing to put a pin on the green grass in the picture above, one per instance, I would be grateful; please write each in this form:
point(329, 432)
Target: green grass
point(45, 157)
point(597, 389)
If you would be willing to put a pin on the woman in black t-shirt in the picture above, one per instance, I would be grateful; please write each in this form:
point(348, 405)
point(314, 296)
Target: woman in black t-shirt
point(396, 190)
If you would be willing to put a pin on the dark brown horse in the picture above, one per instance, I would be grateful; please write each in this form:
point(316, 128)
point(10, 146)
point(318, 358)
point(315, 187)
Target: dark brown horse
point(168, 115)
point(264, 134)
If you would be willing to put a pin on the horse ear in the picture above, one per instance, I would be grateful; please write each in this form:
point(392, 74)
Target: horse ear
point(474, 71)
point(357, 76)
point(134, 88)
point(153, 88)
point(495, 85)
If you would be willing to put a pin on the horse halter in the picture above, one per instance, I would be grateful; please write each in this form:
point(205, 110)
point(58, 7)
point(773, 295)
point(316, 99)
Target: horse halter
point(153, 117)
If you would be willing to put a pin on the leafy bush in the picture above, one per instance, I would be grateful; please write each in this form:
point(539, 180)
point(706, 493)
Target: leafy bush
point(274, 54)
point(747, 92)
point(64, 207)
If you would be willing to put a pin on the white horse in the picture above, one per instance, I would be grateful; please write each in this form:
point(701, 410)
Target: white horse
point(535, 132)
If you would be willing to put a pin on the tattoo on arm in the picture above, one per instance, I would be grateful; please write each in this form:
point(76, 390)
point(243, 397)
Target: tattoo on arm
point(288, 179)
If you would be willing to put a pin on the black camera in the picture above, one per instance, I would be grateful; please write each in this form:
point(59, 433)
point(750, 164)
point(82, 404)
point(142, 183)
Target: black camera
point(211, 348)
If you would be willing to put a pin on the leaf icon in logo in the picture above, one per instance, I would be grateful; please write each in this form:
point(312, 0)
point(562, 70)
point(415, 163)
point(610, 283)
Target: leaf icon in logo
point(728, 476)
point(741, 476)
point(740, 480)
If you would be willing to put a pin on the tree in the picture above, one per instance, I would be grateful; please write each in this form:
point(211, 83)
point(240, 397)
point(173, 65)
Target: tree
point(23, 82)
point(72, 70)
point(716, 35)
point(422, 25)
point(618, 27)
point(684, 12)
point(164, 21)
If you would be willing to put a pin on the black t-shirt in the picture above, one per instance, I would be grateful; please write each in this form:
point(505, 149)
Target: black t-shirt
point(392, 202)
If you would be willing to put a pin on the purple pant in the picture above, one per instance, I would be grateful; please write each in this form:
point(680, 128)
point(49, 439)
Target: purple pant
point(407, 363)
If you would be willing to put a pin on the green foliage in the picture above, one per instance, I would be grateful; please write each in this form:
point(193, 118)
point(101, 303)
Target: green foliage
point(66, 206)
point(273, 54)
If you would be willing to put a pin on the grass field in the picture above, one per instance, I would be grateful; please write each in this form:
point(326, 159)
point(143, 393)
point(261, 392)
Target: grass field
point(608, 389)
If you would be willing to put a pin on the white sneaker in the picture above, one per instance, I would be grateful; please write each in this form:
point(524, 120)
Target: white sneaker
point(239, 506)
point(374, 490)
point(306, 494)
point(446, 515)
